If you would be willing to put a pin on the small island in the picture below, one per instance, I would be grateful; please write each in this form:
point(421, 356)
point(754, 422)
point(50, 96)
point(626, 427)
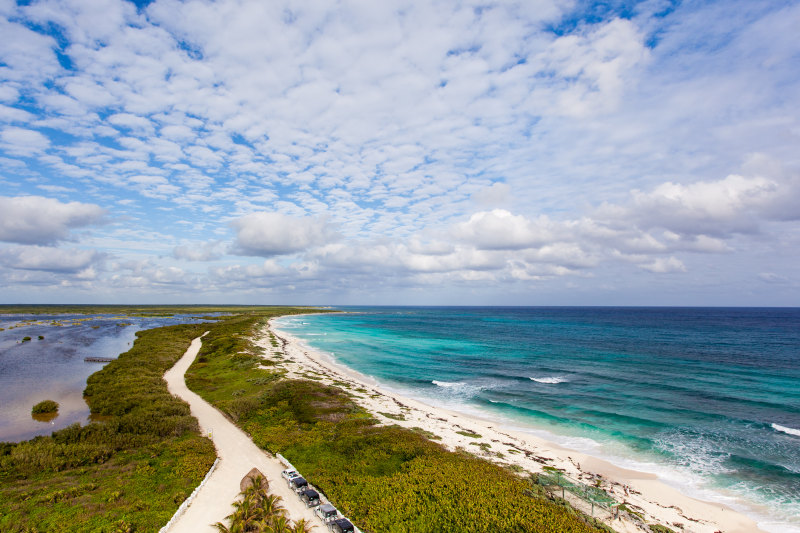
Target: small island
point(45, 411)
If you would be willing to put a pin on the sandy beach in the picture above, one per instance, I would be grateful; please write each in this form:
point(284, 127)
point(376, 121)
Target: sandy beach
point(650, 500)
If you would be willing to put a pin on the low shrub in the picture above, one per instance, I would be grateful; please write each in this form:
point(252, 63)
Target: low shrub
point(45, 407)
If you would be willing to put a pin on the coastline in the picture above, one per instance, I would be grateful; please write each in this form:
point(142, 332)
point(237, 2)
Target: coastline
point(643, 493)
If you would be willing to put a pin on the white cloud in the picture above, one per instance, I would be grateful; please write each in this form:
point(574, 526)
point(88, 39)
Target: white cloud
point(268, 234)
point(500, 230)
point(49, 259)
point(39, 220)
point(719, 207)
point(663, 265)
point(207, 251)
point(22, 142)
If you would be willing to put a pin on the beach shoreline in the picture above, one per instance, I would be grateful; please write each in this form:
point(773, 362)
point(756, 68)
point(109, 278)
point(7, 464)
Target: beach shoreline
point(641, 492)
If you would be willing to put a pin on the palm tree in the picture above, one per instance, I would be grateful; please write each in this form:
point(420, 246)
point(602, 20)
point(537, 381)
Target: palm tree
point(271, 505)
point(245, 512)
point(278, 524)
point(301, 526)
point(235, 528)
point(258, 486)
point(260, 512)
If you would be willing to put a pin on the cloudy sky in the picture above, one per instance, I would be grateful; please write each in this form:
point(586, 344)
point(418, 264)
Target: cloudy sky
point(542, 152)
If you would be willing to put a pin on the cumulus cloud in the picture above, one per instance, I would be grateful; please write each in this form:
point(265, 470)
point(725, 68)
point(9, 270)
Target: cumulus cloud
point(22, 142)
point(49, 259)
point(501, 230)
point(40, 220)
point(203, 251)
point(269, 234)
point(733, 204)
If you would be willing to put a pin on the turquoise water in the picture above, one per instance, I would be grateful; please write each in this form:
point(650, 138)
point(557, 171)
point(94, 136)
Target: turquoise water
point(707, 398)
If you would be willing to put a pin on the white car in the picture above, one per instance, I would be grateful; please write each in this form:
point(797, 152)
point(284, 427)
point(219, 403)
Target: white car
point(289, 475)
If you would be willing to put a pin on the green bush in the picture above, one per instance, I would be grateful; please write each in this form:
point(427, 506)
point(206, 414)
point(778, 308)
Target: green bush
point(45, 407)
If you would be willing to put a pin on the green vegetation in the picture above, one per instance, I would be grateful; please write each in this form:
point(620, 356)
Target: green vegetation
point(260, 512)
point(385, 478)
point(425, 433)
point(26, 339)
point(127, 473)
point(45, 407)
point(469, 434)
point(392, 416)
point(658, 528)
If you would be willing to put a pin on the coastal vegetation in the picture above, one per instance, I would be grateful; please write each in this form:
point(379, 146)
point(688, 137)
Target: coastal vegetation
point(45, 407)
point(130, 468)
point(385, 478)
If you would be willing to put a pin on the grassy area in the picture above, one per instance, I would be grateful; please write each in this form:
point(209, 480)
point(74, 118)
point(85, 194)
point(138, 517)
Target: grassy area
point(386, 479)
point(128, 472)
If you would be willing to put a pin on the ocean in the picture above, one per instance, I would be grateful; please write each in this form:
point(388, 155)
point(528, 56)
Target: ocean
point(707, 398)
point(51, 366)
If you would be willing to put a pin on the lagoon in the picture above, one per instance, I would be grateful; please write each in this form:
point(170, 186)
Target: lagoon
point(51, 364)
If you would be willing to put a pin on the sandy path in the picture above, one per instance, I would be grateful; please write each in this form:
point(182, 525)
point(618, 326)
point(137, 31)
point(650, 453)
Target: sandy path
point(237, 455)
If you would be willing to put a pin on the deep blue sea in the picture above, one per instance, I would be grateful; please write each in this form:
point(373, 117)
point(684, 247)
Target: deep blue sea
point(708, 398)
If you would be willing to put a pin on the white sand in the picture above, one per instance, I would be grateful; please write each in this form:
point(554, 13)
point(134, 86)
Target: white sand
point(641, 492)
point(237, 455)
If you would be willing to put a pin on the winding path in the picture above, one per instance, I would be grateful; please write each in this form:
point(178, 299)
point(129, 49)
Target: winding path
point(237, 455)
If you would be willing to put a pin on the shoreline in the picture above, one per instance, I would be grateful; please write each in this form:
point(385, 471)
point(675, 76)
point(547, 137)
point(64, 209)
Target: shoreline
point(641, 492)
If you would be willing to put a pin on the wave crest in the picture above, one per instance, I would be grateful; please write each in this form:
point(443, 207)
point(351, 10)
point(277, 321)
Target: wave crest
point(784, 429)
point(551, 380)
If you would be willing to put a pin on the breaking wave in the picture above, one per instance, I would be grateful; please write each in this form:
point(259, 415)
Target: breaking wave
point(551, 380)
point(784, 429)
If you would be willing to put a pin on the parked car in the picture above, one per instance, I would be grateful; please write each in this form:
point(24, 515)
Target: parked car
point(288, 475)
point(298, 483)
point(327, 512)
point(341, 525)
point(310, 497)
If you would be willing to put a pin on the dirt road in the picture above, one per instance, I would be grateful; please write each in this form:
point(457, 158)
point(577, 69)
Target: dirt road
point(237, 455)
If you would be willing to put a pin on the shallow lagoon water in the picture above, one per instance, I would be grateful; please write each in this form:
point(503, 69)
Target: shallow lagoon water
point(53, 368)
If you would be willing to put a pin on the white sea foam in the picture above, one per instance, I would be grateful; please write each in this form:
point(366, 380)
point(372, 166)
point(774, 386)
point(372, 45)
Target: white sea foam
point(446, 384)
point(552, 380)
point(784, 429)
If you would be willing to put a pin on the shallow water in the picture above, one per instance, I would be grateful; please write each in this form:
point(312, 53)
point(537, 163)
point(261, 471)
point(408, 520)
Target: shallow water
point(707, 398)
point(53, 367)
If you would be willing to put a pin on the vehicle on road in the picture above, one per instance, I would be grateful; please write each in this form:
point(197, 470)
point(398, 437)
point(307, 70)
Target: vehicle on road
point(327, 512)
point(341, 525)
point(310, 497)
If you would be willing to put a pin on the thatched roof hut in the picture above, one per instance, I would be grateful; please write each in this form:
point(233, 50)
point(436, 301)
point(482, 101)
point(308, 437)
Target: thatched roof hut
point(250, 478)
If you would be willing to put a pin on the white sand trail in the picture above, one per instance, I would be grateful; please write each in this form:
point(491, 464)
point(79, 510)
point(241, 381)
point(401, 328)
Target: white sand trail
point(237, 455)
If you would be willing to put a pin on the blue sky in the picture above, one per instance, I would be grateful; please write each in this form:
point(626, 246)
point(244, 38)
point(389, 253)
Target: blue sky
point(542, 152)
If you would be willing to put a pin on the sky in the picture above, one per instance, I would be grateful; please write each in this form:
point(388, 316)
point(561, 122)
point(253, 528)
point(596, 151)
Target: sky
point(542, 152)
